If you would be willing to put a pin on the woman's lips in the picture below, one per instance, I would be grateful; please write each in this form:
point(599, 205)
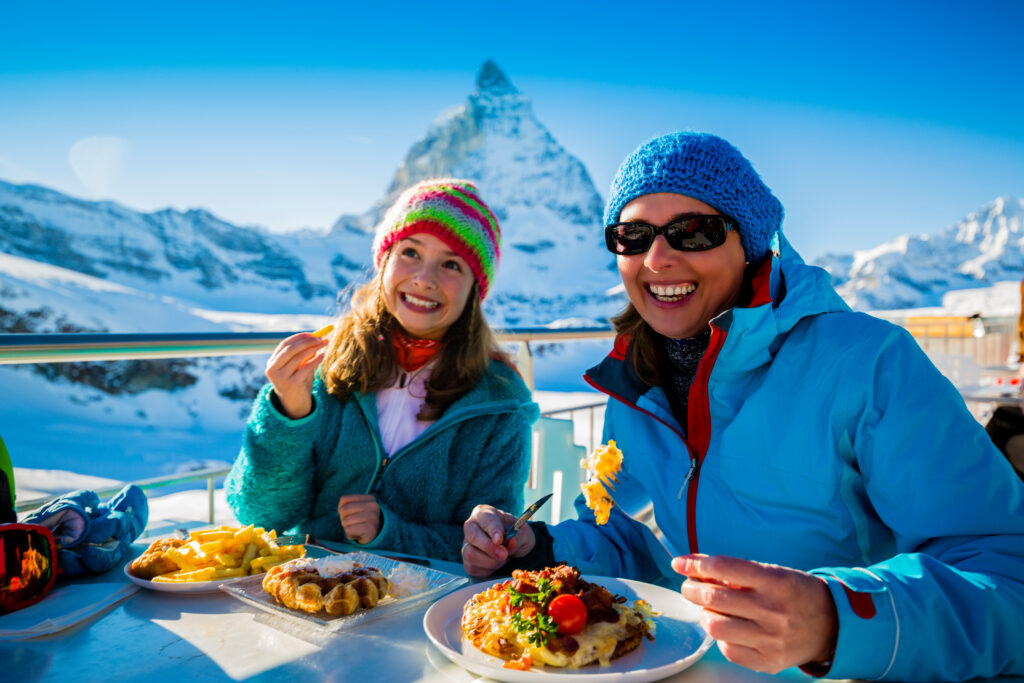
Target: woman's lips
point(670, 294)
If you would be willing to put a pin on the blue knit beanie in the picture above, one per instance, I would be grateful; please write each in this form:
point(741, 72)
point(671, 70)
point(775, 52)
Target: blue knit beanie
point(705, 167)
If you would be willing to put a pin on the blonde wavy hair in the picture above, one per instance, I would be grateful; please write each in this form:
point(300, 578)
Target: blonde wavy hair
point(361, 359)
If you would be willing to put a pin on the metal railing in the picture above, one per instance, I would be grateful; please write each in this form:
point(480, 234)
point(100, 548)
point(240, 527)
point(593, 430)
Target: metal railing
point(67, 348)
point(209, 474)
point(991, 348)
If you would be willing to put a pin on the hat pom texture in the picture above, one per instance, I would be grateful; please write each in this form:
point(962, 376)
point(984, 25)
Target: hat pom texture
point(451, 210)
point(708, 168)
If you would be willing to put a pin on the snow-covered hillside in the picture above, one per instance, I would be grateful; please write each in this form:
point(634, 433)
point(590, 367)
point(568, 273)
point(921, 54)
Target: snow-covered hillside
point(554, 265)
point(984, 248)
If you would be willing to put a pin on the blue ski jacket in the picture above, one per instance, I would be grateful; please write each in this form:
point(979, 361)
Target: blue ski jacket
point(823, 440)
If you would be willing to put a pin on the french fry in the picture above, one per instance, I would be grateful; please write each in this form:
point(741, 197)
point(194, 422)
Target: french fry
point(324, 331)
point(212, 547)
point(226, 559)
point(173, 577)
point(264, 562)
point(225, 572)
point(178, 558)
point(248, 555)
point(205, 574)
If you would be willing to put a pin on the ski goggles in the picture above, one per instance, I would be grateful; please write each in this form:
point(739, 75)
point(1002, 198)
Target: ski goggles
point(687, 233)
point(28, 557)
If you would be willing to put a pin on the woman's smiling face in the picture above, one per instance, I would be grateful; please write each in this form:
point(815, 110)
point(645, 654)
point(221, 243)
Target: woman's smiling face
point(677, 292)
point(425, 285)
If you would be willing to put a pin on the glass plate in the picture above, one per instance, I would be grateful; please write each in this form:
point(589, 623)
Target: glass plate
point(250, 590)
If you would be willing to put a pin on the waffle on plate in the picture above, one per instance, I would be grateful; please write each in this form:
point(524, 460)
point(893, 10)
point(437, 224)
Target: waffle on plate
point(331, 585)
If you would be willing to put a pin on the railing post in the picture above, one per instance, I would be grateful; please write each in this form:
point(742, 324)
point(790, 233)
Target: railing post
point(524, 363)
point(209, 492)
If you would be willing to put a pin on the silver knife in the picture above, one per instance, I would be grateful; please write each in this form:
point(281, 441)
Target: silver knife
point(518, 524)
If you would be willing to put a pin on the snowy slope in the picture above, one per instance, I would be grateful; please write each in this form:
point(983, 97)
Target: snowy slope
point(984, 248)
point(554, 265)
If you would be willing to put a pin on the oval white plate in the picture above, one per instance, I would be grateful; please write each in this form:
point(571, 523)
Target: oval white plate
point(167, 587)
point(679, 640)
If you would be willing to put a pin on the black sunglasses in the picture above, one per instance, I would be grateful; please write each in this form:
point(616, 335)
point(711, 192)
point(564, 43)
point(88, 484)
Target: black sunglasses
point(686, 233)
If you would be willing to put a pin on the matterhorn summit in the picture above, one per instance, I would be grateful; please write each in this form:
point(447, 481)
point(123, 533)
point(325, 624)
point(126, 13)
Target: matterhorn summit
point(554, 264)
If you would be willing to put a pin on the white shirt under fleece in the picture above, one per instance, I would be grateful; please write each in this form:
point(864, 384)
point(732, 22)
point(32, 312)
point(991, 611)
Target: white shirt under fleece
point(398, 406)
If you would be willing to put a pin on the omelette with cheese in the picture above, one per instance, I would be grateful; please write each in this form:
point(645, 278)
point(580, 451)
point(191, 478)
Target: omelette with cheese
point(518, 621)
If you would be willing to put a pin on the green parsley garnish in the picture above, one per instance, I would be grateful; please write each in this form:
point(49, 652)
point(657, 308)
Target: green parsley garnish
point(537, 629)
point(545, 591)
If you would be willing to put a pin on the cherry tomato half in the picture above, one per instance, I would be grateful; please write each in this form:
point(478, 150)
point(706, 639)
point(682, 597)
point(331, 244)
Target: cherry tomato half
point(569, 613)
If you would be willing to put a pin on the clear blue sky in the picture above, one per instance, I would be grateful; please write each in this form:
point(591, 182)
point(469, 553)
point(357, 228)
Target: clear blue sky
point(868, 119)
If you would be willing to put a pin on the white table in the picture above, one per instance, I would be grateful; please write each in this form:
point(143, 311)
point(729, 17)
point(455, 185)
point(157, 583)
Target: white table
point(156, 637)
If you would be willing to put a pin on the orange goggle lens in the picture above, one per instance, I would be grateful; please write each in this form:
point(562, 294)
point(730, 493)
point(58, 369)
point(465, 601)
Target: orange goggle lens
point(27, 565)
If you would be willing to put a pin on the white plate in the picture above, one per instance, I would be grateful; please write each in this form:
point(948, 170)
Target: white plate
point(679, 641)
point(168, 587)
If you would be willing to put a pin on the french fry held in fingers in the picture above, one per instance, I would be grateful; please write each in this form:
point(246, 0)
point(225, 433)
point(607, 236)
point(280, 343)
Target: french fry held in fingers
point(221, 553)
point(324, 331)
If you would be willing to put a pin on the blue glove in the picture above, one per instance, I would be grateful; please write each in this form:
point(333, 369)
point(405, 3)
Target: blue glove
point(68, 517)
point(95, 537)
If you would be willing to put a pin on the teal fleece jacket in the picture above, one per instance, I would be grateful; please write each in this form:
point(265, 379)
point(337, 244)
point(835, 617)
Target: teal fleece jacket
point(291, 473)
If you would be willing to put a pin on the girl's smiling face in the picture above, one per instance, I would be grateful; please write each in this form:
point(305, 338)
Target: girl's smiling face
point(677, 292)
point(425, 285)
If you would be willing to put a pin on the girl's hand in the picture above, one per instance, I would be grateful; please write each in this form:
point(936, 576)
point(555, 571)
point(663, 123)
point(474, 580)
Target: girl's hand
point(360, 517)
point(764, 617)
point(482, 551)
point(291, 368)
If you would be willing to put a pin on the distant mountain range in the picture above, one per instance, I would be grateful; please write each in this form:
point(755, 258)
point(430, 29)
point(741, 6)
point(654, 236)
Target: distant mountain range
point(69, 265)
point(554, 264)
point(981, 250)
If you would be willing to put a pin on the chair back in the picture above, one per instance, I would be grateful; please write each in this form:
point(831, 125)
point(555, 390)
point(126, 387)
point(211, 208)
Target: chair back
point(557, 467)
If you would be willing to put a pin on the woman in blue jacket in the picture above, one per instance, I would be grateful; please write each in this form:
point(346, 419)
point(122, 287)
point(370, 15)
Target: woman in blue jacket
point(822, 486)
point(414, 417)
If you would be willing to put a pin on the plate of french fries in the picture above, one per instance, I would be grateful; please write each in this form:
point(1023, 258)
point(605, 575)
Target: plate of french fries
point(209, 558)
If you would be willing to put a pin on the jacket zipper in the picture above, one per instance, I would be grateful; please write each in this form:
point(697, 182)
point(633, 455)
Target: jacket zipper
point(699, 429)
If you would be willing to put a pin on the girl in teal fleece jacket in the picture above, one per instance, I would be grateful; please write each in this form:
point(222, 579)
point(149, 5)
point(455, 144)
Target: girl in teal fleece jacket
point(829, 497)
point(391, 430)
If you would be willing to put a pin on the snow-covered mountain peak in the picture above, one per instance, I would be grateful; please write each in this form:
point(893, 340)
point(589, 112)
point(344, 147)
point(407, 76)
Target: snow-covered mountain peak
point(542, 195)
point(985, 247)
point(493, 81)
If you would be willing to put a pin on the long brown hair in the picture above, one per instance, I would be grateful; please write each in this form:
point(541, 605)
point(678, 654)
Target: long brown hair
point(360, 357)
point(645, 349)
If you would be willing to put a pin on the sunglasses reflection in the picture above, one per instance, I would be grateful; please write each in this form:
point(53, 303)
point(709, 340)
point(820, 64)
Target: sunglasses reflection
point(28, 566)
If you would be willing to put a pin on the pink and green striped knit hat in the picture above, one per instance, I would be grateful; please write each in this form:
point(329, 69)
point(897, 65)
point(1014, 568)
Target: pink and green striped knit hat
point(452, 211)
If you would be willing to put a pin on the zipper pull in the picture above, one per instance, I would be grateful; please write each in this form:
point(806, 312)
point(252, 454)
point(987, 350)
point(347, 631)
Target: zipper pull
point(380, 474)
point(694, 463)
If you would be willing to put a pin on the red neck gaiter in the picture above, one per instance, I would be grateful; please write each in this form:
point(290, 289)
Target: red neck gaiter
point(413, 353)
